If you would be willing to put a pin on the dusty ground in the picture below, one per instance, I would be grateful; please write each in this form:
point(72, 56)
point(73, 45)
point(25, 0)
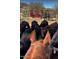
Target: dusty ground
point(30, 19)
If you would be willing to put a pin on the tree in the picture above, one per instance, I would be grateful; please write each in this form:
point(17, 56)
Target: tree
point(37, 6)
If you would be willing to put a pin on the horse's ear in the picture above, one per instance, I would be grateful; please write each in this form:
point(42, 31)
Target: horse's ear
point(33, 36)
point(47, 38)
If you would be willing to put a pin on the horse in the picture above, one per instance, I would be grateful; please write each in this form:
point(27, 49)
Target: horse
point(38, 49)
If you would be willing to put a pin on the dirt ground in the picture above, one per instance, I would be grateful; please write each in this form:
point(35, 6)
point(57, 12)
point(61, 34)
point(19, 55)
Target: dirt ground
point(39, 20)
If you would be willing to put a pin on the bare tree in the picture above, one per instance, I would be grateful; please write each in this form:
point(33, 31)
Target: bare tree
point(37, 6)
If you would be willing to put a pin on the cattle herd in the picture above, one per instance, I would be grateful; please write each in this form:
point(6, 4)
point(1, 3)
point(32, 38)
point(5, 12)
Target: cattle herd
point(38, 41)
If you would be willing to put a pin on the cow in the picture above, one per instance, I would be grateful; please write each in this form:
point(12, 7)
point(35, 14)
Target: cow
point(25, 42)
point(23, 26)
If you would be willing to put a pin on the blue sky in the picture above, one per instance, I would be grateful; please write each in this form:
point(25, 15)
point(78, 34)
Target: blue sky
point(46, 3)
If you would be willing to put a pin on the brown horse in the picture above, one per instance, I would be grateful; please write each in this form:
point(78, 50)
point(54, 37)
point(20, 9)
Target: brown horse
point(39, 49)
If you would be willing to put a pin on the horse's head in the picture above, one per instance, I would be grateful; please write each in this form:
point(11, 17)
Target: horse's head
point(38, 49)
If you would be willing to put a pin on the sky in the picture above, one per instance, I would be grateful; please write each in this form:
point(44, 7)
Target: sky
point(46, 3)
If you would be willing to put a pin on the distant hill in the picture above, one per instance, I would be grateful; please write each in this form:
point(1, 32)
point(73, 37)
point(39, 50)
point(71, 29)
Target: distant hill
point(23, 5)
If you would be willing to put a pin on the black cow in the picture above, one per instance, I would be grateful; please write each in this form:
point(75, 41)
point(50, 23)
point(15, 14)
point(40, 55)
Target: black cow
point(43, 27)
point(25, 42)
point(35, 26)
point(53, 28)
point(23, 26)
